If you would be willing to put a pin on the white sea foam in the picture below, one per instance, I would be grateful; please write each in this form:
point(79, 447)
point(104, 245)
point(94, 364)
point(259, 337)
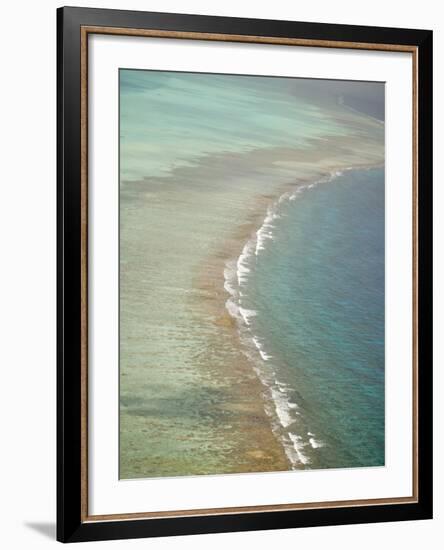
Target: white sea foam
point(314, 443)
point(232, 308)
point(229, 277)
point(296, 193)
point(266, 230)
point(242, 263)
point(247, 314)
point(257, 342)
point(242, 272)
point(298, 447)
point(265, 356)
point(282, 408)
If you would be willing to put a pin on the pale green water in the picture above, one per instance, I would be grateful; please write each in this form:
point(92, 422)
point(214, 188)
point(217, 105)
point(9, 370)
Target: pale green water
point(169, 120)
point(197, 153)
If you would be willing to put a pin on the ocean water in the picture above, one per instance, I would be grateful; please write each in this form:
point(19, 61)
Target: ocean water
point(169, 120)
point(251, 300)
point(308, 292)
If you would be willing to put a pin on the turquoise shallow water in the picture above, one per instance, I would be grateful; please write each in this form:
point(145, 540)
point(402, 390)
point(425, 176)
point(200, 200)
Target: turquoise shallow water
point(313, 297)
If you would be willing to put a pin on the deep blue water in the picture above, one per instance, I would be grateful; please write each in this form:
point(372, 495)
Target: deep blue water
point(318, 292)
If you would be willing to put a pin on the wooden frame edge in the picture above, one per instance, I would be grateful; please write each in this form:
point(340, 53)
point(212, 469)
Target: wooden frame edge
point(415, 267)
point(84, 272)
point(85, 31)
point(252, 39)
point(226, 511)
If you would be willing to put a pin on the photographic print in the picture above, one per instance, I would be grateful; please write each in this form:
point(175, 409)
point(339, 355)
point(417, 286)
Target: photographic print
point(251, 274)
point(244, 252)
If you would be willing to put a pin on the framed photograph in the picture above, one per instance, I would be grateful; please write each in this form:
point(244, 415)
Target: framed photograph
point(244, 274)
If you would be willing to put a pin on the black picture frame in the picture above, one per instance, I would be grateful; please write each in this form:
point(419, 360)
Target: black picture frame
point(71, 523)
